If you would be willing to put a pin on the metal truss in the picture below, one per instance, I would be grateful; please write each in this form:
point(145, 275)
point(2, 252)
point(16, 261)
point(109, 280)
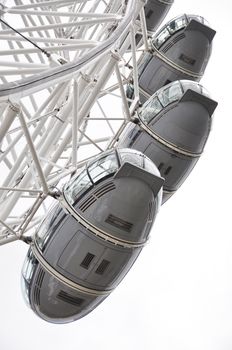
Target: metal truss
point(63, 66)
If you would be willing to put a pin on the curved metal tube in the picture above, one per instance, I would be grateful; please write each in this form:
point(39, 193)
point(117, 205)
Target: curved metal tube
point(32, 84)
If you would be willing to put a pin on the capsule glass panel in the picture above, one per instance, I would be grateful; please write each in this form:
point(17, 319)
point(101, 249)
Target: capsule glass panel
point(169, 29)
point(150, 110)
point(170, 94)
point(165, 96)
point(131, 157)
point(103, 167)
point(80, 182)
point(174, 26)
point(48, 226)
point(28, 269)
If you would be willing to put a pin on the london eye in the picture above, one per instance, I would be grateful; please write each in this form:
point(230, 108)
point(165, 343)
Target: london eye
point(86, 86)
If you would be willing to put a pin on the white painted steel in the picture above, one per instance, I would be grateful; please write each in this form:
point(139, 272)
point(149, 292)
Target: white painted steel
point(63, 66)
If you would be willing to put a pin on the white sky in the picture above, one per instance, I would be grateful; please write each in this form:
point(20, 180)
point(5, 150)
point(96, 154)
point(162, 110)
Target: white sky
point(178, 296)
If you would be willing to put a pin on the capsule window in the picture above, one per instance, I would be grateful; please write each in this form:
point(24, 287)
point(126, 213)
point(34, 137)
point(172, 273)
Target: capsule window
point(162, 37)
point(29, 266)
point(76, 185)
point(87, 260)
point(102, 267)
point(103, 167)
point(170, 94)
point(150, 110)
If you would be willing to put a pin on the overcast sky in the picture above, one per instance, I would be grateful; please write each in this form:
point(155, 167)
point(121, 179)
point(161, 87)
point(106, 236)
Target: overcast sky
point(178, 296)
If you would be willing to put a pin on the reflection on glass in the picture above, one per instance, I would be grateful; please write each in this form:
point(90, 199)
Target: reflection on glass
point(173, 26)
point(191, 85)
point(197, 18)
point(162, 37)
point(76, 185)
point(87, 176)
point(170, 94)
point(131, 156)
point(130, 91)
point(150, 109)
point(48, 224)
point(25, 290)
point(27, 272)
point(150, 166)
point(161, 99)
point(103, 167)
point(177, 24)
point(29, 265)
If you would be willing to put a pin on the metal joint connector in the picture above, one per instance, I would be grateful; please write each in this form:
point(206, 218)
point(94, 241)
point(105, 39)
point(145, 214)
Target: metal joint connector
point(86, 77)
point(14, 106)
point(115, 55)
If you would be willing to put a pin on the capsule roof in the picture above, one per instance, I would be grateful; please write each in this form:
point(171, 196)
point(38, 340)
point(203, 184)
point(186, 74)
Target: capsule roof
point(168, 94)
point(174, 25)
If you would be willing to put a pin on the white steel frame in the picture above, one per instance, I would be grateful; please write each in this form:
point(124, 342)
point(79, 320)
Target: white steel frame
point(63, 67)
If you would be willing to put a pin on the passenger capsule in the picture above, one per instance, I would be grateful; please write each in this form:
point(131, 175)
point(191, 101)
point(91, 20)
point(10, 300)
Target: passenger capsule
point(89, 241)
point(172, 129)
point(180, 50)
point(155, 12)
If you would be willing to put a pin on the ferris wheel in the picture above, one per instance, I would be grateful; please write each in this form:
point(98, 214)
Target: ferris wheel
point(60, 63)
point(105, 118)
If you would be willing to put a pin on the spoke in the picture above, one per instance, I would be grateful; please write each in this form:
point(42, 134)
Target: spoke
point(62, 25)
point(49, 3)
point(62, 61)
point(66, 14)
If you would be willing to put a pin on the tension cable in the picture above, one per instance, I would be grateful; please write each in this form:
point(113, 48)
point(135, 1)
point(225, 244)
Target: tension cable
point(23, 36)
